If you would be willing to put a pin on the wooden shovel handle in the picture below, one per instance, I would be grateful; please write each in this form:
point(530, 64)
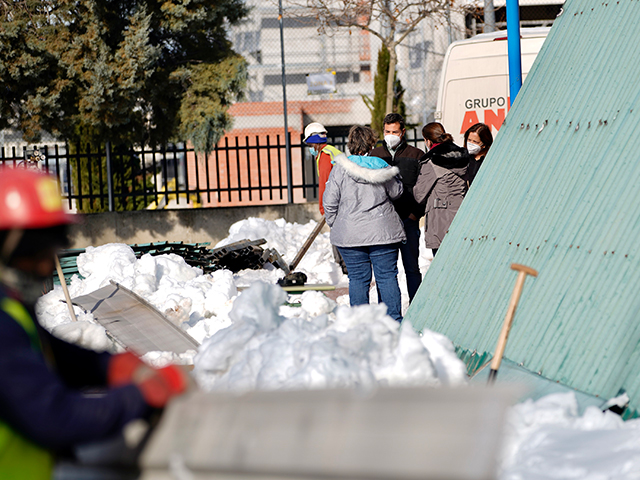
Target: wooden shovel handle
point(523, 271)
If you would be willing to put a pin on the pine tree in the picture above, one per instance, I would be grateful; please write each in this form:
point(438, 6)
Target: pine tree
point(377, 106)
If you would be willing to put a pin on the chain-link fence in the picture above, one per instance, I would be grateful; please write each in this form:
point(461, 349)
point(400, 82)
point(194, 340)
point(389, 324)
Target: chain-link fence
point(344, 61)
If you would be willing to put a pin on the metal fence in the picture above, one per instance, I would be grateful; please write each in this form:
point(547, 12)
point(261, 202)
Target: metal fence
point(241, 171)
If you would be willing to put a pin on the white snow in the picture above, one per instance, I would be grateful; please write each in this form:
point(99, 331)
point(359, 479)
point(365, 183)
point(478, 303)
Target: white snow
point(547, 439)
point(251, 339)
point(264, 349)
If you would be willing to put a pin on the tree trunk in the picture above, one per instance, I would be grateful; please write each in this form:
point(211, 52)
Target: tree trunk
point(391, 75)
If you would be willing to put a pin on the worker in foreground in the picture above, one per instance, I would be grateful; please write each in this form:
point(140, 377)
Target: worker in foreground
point(43, 411)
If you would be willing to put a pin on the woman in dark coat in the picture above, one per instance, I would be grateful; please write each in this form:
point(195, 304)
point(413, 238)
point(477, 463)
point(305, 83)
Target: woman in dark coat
point(441, 184)
point(477, 141)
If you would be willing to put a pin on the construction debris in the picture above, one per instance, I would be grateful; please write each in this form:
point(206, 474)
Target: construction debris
point(134, 323)
point(245, 254)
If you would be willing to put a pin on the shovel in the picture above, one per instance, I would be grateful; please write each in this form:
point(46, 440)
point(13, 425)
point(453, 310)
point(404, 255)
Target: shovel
point(523, 271)
point(298, 278)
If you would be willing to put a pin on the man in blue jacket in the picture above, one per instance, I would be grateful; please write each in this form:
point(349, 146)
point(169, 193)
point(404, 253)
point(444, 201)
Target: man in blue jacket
point(43, 410)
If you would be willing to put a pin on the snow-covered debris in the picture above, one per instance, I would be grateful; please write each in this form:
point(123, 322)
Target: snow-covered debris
point(287, 238)
point(196, 302)
point(363, 347)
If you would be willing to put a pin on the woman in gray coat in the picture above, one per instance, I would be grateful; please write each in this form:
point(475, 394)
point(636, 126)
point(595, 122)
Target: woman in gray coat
point(441, 184)
point(364, 224)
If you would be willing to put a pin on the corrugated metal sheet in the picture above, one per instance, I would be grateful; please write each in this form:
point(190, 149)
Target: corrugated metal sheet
point(560, 192)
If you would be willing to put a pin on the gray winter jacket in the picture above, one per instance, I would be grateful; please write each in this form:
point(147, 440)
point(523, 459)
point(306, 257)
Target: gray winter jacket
point(441, 187)
point(358, 202)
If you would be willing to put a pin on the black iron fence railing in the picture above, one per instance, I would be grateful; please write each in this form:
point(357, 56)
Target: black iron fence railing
point(241, 171)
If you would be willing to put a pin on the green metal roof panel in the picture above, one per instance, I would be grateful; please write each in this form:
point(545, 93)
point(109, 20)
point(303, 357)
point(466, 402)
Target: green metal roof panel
point(559, 192)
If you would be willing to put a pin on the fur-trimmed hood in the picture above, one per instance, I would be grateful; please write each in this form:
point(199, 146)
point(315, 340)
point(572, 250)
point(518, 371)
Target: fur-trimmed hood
point(367, 169)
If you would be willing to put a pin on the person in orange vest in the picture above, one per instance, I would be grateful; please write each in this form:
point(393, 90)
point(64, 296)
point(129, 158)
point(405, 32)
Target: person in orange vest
point(315, 136)
point(43, 410)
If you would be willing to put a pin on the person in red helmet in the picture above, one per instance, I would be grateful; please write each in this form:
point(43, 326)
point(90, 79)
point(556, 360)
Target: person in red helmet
point(42, 408)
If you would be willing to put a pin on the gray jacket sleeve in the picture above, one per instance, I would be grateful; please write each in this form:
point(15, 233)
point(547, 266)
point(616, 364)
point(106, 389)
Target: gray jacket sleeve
point(426, 180)
point(394, 188)
point(331, 197)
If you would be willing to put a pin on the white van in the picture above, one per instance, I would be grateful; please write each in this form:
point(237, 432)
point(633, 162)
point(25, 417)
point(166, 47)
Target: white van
point(474, 86)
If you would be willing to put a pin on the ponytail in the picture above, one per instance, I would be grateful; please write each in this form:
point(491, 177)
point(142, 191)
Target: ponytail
point(435, 132)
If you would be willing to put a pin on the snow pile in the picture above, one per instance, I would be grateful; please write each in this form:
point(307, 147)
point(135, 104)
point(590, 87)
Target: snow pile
point(362, 347)
point(547, 439)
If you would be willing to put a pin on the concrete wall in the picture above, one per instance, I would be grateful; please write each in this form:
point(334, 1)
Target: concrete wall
point(186, 225)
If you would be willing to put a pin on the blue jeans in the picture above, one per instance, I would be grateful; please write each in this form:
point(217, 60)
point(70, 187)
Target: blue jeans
point(384, 260)
point(410, 251)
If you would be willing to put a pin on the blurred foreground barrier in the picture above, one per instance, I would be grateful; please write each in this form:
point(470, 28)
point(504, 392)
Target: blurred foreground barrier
point(394, 433)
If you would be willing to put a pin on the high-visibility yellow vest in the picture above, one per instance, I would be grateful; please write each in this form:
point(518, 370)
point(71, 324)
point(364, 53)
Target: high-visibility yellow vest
point(20, 458)
point(329, 150)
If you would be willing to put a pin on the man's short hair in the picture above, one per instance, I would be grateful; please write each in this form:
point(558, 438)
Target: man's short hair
point(394, 118)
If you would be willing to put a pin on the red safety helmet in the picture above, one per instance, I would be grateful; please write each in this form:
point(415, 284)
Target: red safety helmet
point(30, 199)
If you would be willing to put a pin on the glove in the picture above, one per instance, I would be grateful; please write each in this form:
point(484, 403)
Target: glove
point(156, 385)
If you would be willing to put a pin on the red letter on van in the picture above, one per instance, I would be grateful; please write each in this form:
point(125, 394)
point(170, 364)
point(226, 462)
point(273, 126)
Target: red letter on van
point(470, 119)
point(494, 120)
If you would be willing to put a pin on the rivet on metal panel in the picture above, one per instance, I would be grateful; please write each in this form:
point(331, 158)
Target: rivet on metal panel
point(578, 246)
point(600, 122)
point(527, 249)
point(626, 256)
point(521, 126)
point(509, 243)
point(546, 122)
point(527, 126)
point(571, 245)
point(589, 251)
point(612, 253)
point(605, 122)
point(539, 372)
point(577, 127)
point(589, 125)
point(556, 246)
point(605, 253)
point(494, 238)
point(518, 245)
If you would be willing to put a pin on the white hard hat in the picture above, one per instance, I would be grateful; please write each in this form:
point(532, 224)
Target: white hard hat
point(315, 128)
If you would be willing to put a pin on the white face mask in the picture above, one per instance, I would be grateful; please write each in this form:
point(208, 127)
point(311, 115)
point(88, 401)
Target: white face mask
point(392, 140)
point(473, 148)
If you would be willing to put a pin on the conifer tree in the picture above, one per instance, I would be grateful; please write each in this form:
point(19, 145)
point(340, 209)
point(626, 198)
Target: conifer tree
point(377, 106)
point(128, 71)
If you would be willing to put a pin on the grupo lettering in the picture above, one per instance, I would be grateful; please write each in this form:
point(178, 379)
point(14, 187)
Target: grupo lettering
point(489, 102)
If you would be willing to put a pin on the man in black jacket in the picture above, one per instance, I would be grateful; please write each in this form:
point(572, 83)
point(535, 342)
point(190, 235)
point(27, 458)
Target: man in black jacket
point(396, 152)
